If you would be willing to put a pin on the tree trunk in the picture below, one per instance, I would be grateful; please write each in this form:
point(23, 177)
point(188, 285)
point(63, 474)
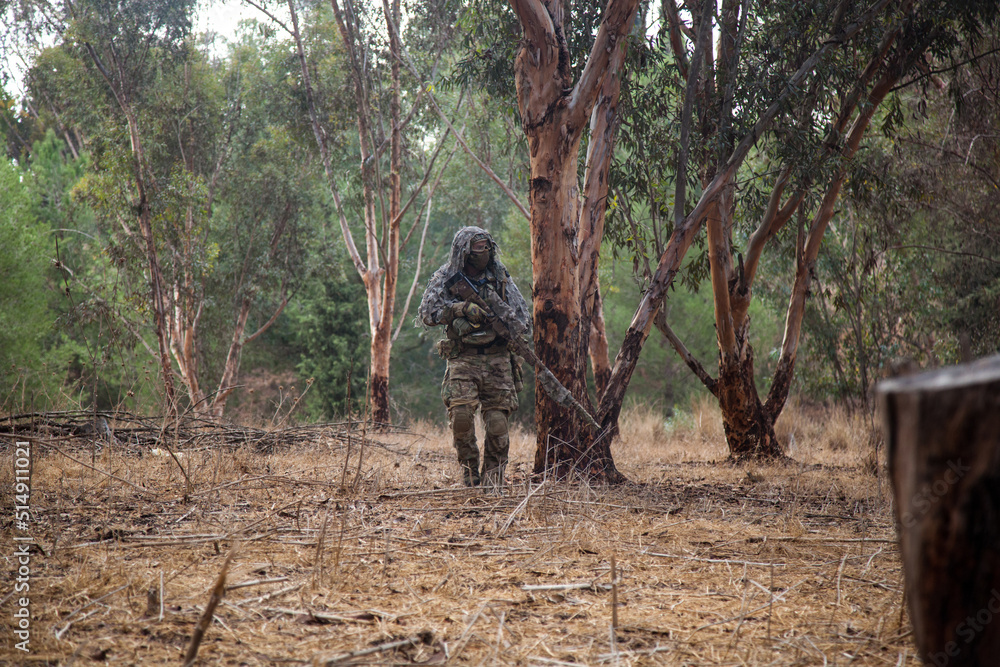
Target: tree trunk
point(748, 426)
point(380, 282)
point(638, 331)
point(943, 434)
point(808, 245)
point(553, 114)
point(145, 225)
point(152, 259)
point(600, 359)
point(553, 202)
point(604, 122)
point(381, 347)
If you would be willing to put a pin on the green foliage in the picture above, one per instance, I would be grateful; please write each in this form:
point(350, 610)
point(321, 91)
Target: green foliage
point(25, 321)
point(909, 266)
point(329, 322)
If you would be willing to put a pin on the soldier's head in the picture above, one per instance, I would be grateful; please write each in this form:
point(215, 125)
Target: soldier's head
point(480, 253)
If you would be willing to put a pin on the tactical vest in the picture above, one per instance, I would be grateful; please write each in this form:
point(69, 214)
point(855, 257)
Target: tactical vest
point(484, 336)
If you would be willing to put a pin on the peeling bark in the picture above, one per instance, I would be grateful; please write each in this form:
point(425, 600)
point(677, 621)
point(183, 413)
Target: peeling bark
point(604, 122)
point(553, 115)
point(600, 361)
point(749, 425)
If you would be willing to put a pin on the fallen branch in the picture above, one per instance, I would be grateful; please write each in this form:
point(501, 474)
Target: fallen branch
point(518, 509)
point(270, 596)
point(59, 633)
point(566, 587)
point(381, 648)
point(206, 618)
point(362, 617)
point(724, 561)
point(255, 582)
point(103, 472)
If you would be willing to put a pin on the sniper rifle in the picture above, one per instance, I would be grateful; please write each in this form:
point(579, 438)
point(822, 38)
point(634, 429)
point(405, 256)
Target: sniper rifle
point(503, 322)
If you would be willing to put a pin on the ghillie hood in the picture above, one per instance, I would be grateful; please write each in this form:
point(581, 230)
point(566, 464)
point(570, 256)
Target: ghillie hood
point(437, 297)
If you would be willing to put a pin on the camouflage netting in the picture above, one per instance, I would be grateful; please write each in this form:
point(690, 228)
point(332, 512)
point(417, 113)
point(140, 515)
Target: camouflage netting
point(437, 298)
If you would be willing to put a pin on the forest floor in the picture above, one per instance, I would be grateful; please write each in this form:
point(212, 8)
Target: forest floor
point(343, 554)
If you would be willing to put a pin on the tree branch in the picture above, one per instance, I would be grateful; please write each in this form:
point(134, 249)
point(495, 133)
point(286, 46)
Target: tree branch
point(416, 273)
point(458, 135)
point(689, 95)
point(423, 182)
point(615, 27)
point(324, 149)
point(675, 30)
point(274, 316)
point(535, 21)
point(273, 18)
point(774, 219)
point(950, 68)
point(660, 320)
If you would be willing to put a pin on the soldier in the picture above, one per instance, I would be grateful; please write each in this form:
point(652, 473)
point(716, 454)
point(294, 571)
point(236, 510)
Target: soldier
point(482, 372)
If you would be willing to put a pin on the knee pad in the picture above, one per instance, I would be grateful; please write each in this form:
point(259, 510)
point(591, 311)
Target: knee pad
point(462, 420)
point(496, 423)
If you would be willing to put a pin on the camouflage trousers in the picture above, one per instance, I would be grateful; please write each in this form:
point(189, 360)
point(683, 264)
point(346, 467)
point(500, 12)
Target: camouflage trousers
point(474, 381)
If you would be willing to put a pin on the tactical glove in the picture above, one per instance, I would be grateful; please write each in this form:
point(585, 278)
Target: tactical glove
point(474, 313)
point(467, 310)
point(462, 326)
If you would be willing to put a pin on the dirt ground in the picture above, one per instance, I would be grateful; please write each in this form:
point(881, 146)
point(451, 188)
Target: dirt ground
point(349, 554)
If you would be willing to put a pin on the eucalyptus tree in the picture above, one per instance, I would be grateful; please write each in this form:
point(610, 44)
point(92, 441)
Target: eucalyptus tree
point(912, 266)
point(757, 111)
point(170, 134)
point(566, 233)
point(782, 105)
point(371, 44)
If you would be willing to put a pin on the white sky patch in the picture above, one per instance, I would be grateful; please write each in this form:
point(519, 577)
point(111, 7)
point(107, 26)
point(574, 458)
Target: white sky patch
point(223, 17)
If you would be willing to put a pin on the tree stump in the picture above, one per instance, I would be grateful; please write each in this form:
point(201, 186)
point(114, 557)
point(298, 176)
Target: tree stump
point(943, 433)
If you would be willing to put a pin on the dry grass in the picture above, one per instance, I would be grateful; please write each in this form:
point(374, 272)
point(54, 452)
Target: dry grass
point(717, 564)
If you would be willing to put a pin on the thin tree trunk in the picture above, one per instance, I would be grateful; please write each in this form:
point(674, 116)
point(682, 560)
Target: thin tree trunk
point(749, 429)
point(808, 250)
point(372, 274)
point(604, 122)
point(382, 333)
point(600, 359)
point(146, 230)
point(231, 369)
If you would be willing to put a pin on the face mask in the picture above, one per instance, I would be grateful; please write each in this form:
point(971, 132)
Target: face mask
point(480, 260)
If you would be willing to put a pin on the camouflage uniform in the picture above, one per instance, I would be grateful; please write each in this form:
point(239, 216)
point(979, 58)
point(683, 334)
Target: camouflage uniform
point(482, 372)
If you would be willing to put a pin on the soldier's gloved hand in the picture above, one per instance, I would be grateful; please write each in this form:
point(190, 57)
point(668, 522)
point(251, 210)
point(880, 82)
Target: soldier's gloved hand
point(474, 313)
point(462, 326)
point(453, 311)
